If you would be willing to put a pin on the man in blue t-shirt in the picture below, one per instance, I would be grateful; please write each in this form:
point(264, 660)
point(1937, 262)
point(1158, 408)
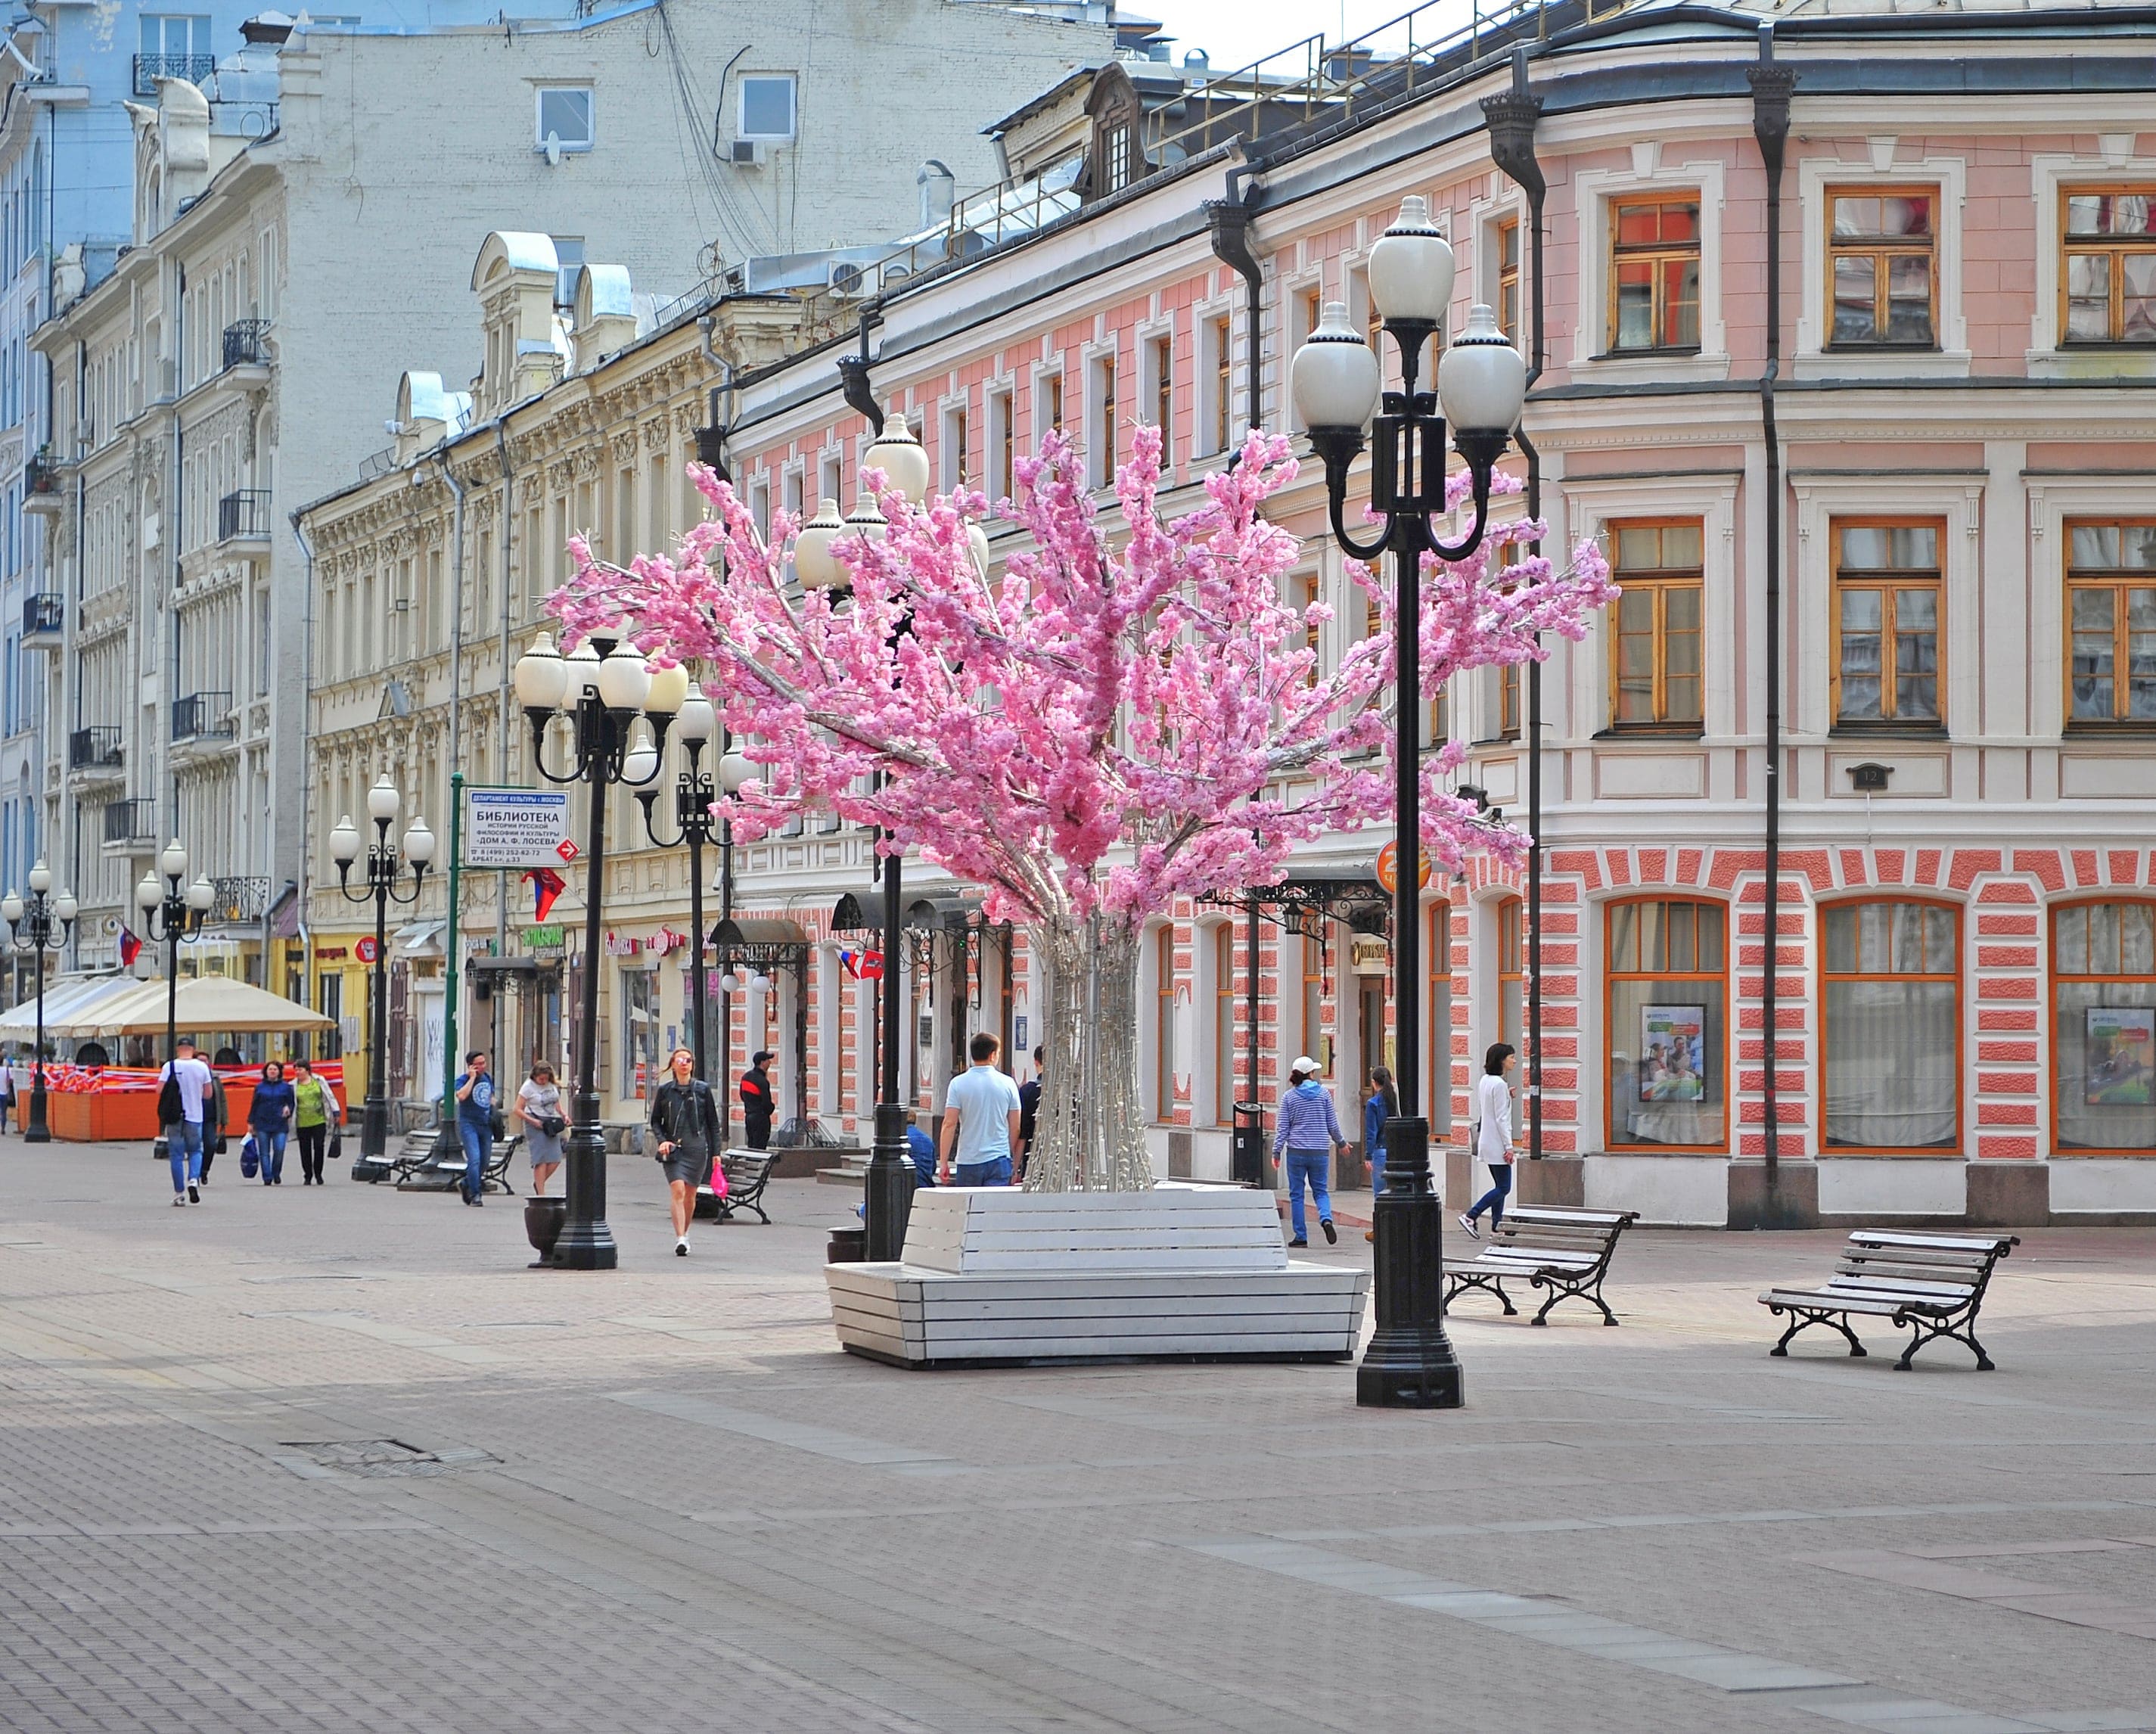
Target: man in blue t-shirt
point(980, 1120)
point(475, 1124)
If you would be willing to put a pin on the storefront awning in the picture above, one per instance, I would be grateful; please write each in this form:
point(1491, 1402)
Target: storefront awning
point(421, 939)
point(1304, 904)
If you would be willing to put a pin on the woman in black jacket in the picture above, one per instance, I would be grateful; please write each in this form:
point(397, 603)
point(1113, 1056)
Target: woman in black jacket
point(685, 1118)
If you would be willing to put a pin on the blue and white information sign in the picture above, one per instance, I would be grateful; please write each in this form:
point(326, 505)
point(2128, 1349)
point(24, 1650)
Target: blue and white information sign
point(517, 828)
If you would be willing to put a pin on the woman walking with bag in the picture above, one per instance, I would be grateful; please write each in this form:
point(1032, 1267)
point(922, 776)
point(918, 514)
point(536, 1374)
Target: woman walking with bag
point(314, 1106)
point(539, 1106)
point(685, 1116)
point(270, 1119)
point(1493, 1137)
point(1383, 1104)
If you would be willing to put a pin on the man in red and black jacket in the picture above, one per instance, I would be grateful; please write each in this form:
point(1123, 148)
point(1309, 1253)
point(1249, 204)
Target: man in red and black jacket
point(758, 1100)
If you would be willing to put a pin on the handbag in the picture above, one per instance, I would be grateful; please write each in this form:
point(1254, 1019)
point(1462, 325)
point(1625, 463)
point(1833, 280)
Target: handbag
point(336, 1144)
point(250, 1158)
point(553, 1125)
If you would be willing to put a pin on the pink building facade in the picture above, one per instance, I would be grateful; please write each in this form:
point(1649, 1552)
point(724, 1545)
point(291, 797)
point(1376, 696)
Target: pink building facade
point(1960, 486)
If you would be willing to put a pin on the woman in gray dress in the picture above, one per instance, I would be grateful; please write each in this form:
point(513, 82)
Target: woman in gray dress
point(539, 1105)
point(685, 1118)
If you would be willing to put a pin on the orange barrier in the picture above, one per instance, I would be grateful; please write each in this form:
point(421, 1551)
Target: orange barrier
point(99, 1105)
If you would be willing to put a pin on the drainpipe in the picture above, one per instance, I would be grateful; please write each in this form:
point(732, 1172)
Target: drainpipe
point(711, 439)
point(1512, 115)
point(1228, 223)
point(854, 379)
point(1771, 86)
point(306, 775)
point(176, 502)
point(501, 697)
point(455, 947)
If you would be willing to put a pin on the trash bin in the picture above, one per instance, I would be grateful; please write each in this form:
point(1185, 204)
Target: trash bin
point(1250, 1166)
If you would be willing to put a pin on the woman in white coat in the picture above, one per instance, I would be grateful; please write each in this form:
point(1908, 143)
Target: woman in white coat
point(1493, 1137)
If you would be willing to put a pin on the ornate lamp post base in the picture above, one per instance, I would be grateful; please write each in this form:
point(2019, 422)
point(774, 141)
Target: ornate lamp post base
point(586, 1242)
point(1410, 1364)
point(888, 1189)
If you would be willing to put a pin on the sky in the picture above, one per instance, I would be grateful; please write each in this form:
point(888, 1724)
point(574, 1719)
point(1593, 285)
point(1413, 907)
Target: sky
point(1235, 33)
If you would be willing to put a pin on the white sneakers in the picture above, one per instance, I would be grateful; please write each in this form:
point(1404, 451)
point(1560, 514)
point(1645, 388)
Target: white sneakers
point(179, 1201)
point(194, 1193)
point(1467, 1223)
point(681, 1248)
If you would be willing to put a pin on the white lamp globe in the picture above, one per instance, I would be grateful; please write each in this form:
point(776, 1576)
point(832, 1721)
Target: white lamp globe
point(729, 983)
point(148, 896)
point(581, 666)
point(669, 689)
point(11, 908)
point(41, 878)
point(623, 679)
point(344, 843)
point(64, 906)
point(813, 563)
point(418, 843)
point(542, 677)
point(697, 720)
point(737, 771)
point(1334, 377)
point(640, 764)
point(1411, 267)
point(1482, 381)
point(759, 983)
point(977, 539)
point(898, 454)
point(172, 860)
point(200, 895)
point(866, 520)
point(382, 800)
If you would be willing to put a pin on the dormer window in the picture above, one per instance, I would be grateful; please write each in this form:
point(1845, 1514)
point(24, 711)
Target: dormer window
point(1116, 160)
point(565, 117)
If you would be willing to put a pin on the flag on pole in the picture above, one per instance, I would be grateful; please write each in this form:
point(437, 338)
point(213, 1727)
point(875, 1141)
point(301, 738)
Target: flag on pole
point(130, 947)
point(547, 885)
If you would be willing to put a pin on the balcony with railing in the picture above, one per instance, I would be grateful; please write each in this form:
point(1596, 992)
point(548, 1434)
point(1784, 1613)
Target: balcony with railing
point(134, 821)
point(246, 343)
point(238, 899)
point(149, 67)
point(244, 515)
point(44, 619)
point(43, 488)
point(95, 749)
point(202, 716)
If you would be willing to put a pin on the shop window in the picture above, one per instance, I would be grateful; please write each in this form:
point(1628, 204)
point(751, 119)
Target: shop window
point(2108, 260)
point(1668, 1024)
point(1887, 583)
point(1654, 678)
point(1881, 244)
point(1223, 1025)
point(640, 1031)
point(1892, 1026)
point(1654, 274)
point(2111, 614)
point(2104, 988)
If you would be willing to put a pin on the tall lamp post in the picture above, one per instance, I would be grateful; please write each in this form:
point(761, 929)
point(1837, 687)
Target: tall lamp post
point(604, 684)
point(170, 914)
point(382, 869)
point(1481, 384)
point(44, 924)
point(694, 793)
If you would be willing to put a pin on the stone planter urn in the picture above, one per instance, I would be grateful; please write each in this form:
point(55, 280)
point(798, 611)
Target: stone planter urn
point(543, 1226)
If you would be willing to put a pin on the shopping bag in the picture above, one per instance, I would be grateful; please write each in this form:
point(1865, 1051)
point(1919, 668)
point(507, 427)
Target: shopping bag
point(250, 1158)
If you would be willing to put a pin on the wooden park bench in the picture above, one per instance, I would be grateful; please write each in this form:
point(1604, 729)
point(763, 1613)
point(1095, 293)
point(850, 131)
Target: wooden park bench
point(1563, 1250)
point(747, 1172)
point(1933, 1283)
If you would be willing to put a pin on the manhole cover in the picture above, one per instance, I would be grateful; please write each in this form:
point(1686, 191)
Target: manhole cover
point(384, 1457)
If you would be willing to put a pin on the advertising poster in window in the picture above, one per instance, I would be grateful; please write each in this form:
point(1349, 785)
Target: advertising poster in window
point(1672, 1053)
point(2122, 1045)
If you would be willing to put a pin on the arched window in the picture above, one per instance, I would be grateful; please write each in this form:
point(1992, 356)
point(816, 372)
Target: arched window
point(1163, 1027)
point(2104, 1026)
point(1667, 1029)
point(1892, 1037)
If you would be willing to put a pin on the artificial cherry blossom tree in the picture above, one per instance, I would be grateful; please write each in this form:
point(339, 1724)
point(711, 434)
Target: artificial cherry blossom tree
point(1120, 720)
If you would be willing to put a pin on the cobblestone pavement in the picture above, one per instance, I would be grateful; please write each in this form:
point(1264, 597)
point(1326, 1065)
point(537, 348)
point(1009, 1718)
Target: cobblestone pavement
point(301, 1460)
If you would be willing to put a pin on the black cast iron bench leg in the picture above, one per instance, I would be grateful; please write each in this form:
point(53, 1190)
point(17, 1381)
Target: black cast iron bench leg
point(1801, 1321)
point(1591, 1293)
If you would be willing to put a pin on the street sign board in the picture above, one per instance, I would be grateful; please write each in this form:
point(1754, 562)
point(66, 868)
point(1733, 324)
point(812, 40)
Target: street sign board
point(1388, 870)
point(515, 827)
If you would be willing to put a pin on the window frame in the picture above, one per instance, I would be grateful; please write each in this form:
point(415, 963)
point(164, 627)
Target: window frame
point(539, 93)
point(1882, 250)
point(1505, 233)
point(1893, 894)
point(1159, 359)
point(1104, 390)
point(1889, 579)
point(1220, 336)
point(1611, 976)
point(1438, 1035)
point(793, 84)
point(1163, 1025)
point(2115, 249)
point(1660, 253)
point(1310, 1006)
point(1660, 581)
point(1223, 1024)
point(2116, 582)
point(2054, 975)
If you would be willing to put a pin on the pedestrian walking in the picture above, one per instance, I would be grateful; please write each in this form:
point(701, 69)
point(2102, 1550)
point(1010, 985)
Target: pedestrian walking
point(981, 1117)
point(539, 1106)
point(1029, 1112)
point(314, 1107)
point(1382, 1104)
point(685, 1115)
point(7, 1093)
point(216, 1121)
point(184, 1085)
point(1309, 1132)
point(269, 1118)
point(1493, 1137)
point(475, 1125)
point(759, 1102)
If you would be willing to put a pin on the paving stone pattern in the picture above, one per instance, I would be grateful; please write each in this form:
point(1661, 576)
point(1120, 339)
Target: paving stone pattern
point(335, 1459)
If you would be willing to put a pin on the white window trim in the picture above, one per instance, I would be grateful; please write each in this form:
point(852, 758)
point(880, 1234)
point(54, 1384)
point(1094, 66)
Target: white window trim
point(1813, 360)
point(1599, 189)
point(826, 456)
point(539, 94)
point(998, 405)
point(1100, 472)
point(1484, 217)
point(2051, 502)
point(1291, 290)
point(1203, 456)
point(793, 108)
point(1818, 503)
point(1145, 334)
point(953, 403)
point(1042, 370)
point(2049, 174)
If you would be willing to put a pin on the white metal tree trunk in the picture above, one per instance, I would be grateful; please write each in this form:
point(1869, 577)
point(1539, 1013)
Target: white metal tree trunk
point(1090, 1133)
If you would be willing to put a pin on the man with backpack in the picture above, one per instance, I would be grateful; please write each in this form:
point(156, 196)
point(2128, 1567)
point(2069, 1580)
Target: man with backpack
point(184, 1091)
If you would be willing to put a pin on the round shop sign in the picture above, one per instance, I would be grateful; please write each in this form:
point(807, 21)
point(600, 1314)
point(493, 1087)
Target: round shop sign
point(366, 951)
point(1389, 871)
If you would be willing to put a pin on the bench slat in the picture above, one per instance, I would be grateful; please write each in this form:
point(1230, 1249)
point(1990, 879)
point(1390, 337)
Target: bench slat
point(1902, 1255)
point(1847, 1303)
point(1995, 1245)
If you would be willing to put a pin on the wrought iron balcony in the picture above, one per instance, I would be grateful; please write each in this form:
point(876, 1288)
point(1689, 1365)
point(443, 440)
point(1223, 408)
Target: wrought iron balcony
point(202, 716)
point(42, 475)
point(149, 67)
point(245, 343)
point(239, 899)
point(95, 749)
point(243, 514)
point(131, 821)
point(43, 617)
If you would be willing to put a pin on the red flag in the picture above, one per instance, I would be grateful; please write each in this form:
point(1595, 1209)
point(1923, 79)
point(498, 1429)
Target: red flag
point(872, 967)
point(547, 885)
point(129, 948)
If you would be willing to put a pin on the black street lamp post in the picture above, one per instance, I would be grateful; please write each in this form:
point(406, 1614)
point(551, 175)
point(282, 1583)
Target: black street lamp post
point(383, 868)
point(1336, 381)
point(620, 708)
point(43, 923)
point(170, 914)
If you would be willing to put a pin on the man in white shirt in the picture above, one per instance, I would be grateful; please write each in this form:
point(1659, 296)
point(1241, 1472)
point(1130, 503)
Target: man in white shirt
point(183, 1138)
point(980, 1120)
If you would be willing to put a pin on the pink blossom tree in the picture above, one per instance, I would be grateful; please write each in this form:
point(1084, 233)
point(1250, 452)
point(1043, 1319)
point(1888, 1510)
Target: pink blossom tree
point(1116, 721)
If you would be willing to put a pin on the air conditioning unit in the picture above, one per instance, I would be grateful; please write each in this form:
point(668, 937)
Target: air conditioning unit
point(747, 153)
point(845, 278)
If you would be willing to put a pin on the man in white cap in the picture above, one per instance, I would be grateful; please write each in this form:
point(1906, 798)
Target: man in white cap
point(1309, 1132)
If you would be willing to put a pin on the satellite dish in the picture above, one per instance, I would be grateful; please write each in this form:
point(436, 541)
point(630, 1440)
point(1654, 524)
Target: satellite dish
point(553, 150)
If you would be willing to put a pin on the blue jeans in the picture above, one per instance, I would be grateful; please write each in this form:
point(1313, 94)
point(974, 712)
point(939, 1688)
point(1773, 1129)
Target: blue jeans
point(995, 1172)
point(478, 1139)
point(1315, 1166)
point(1377, 1171)
point(184, 1143)
point(1493, 1201)
point(269, 1147)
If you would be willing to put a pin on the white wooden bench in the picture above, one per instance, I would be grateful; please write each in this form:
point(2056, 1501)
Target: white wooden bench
point(997, 1276)
point(1548, 1247)
point(1933, 1283)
